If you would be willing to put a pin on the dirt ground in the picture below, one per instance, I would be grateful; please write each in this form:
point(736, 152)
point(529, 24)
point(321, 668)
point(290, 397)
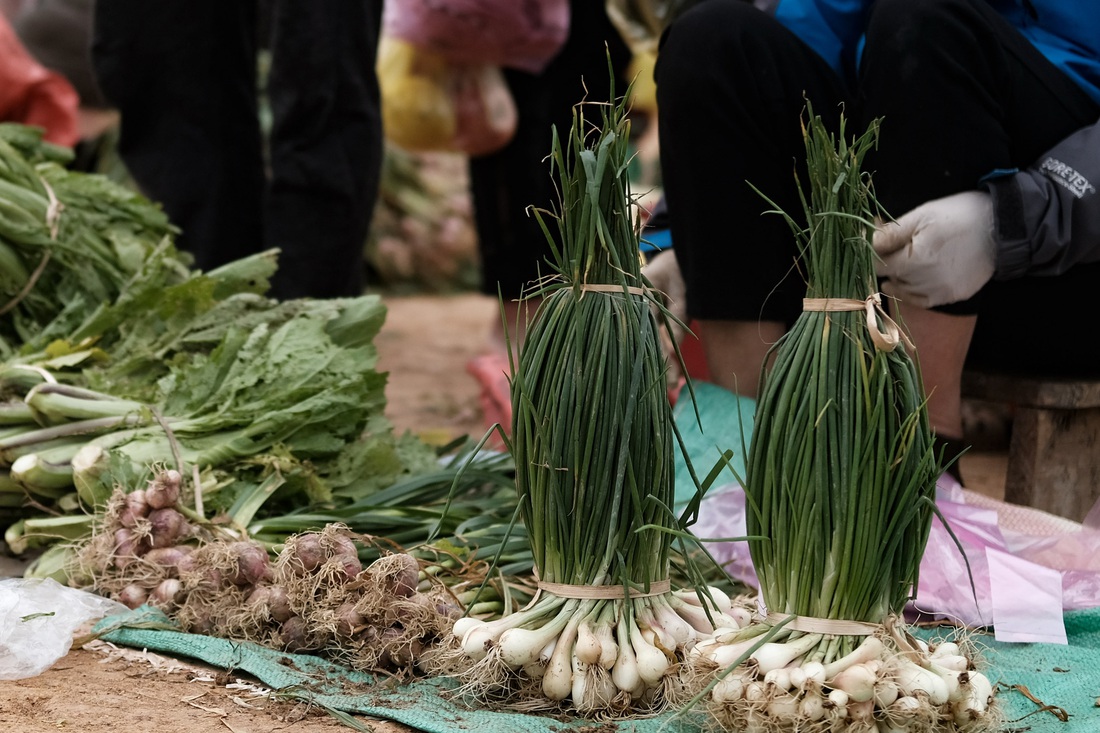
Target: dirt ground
point(100, 691)
point(424, 346)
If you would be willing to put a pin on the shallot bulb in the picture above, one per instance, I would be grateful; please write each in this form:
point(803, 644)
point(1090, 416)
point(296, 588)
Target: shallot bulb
point(274, 598)
point(167, 593)
point(164, 490)
point(169, 558)
point(134, 509)
point(133, 596)
point(168, 527)
point(306, 552)
point(253, 564)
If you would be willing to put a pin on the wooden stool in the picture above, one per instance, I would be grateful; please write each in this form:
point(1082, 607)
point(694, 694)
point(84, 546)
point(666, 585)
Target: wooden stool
point(1054, 454)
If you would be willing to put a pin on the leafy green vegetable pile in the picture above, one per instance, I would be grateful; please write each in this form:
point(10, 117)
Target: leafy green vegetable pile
point(117, 360)
point(116, 356)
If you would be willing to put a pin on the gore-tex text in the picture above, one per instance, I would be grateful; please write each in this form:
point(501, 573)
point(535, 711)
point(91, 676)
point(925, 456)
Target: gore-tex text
point(1067, 176)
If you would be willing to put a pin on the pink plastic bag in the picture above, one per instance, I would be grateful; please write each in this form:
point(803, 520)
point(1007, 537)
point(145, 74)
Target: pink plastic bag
point(509, 33)
point(980, 524)
point(1029, 535)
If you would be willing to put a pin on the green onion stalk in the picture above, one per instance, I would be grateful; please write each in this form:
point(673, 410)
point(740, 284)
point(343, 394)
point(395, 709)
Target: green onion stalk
point(593, 441)
point(840, 486)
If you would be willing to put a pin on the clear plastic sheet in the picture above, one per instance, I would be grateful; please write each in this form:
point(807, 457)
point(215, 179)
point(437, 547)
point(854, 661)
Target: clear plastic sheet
point(37, 621)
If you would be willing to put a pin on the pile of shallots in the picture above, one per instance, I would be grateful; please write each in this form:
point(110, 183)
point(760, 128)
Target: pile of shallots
point(315, 596)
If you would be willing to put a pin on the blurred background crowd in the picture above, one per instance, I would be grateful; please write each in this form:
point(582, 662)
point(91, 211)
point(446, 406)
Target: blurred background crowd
point(423, 236)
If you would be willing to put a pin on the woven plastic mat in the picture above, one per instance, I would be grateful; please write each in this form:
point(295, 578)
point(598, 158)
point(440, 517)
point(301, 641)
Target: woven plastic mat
point(713, 423)
point(426, 705)
point(1067, 678)
point(1064, 677)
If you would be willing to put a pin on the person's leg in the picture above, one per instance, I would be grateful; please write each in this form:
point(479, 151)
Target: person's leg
point(732, 86)
point(943, 339)
point(960, 94)
point(183, 77)
point(513, 250)
point(326, 144)
point(735, 352)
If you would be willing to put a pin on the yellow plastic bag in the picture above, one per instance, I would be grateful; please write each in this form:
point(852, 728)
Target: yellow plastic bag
point(641, 22)
point(644, 88)
point(429, 104)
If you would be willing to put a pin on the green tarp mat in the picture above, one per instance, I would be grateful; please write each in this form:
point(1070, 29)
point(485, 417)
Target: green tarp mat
point(713, 423)
point(1064, 676)
point(425, 705)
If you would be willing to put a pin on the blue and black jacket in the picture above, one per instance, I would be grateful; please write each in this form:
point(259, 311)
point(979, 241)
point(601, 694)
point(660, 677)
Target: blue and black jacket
point(1047, 218)
point(1064, 31)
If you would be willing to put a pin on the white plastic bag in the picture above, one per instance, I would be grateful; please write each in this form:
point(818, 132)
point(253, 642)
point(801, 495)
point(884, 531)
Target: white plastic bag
point(37, 621)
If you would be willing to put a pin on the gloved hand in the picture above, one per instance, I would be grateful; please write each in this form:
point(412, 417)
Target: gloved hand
point(940, 252)
point(663, 273)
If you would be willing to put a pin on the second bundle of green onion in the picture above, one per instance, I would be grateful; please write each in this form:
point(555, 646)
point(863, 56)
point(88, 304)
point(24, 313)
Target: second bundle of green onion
point(840, 486)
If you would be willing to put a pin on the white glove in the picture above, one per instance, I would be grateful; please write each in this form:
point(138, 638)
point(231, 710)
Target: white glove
point(663, 273)
point(940, 252)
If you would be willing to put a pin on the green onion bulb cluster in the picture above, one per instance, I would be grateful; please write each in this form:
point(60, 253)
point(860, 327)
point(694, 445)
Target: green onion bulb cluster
point(611, 657)
point(889, 683)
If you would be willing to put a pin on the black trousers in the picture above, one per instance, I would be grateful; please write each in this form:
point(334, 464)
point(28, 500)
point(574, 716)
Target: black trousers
point(513, 250)
point(960, 93)
point(184, 76)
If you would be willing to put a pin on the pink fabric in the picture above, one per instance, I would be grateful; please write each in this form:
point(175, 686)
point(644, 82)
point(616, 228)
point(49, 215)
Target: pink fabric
point(519, 35)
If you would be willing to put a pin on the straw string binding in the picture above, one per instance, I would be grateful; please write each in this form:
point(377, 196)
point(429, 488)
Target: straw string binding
point(827, 626)
point(604, 592)
point(886, 338)
point(597, 288)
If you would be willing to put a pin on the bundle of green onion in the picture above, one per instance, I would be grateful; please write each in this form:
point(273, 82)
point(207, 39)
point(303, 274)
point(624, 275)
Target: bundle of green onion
point(593, 447)
point(840, 483)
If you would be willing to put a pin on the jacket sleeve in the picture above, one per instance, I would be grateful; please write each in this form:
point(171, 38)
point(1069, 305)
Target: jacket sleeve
point(1047, 218)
